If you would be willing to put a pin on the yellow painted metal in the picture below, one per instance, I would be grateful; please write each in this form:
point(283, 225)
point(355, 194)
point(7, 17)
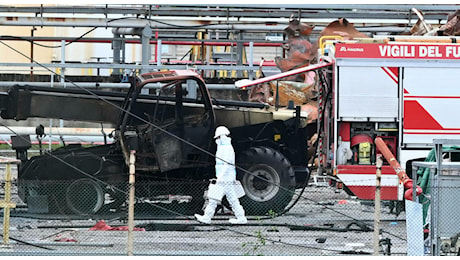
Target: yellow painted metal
point(324, 40)
point(7, 204)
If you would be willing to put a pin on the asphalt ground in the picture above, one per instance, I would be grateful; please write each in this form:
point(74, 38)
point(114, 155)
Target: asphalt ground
point(323, 222)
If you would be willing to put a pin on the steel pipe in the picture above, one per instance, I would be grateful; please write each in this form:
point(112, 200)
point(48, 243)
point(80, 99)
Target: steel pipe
point(405, 180)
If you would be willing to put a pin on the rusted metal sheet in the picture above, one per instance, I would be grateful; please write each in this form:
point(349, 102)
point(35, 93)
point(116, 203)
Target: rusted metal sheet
point(298, 46)
point(450, 28)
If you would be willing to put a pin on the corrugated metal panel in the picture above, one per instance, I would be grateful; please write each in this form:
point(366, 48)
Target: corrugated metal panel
point(378, 101)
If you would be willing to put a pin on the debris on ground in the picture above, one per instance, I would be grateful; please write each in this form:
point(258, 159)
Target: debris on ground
point(101, 225)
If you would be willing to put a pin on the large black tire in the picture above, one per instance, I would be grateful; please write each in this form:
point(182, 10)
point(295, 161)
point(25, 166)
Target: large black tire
point(84, 197)
point(268, 180)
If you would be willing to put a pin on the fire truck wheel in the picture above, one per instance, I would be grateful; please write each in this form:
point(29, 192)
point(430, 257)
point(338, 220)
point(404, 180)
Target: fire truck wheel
point(268, 180)
point(84, 196)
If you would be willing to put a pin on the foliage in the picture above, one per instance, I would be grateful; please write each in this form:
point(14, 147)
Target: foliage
point(254, 247)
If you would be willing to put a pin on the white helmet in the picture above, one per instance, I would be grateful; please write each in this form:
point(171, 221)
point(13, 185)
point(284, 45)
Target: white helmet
point(221, 130)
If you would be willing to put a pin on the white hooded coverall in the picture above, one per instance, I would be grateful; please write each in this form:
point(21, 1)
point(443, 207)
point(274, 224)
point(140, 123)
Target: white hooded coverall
point(225, 184)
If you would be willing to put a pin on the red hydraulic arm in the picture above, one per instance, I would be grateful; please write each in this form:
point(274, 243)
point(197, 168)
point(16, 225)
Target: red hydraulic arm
point(406, 181)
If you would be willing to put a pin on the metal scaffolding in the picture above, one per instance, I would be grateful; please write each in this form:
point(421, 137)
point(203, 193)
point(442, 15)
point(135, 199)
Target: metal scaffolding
point(232, 26)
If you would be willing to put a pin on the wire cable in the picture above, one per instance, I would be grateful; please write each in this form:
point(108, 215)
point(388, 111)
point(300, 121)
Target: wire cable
point(158, 128)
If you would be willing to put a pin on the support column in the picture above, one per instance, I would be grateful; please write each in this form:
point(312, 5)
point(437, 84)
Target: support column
point(146, 49)
point(116, 47)
point(146, 52)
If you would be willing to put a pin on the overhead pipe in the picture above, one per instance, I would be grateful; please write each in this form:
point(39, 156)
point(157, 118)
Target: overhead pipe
point(138, 41)
point(61, 84)
point(192, 26)
point(73, 131)
point(405, 180)
point(236, 10)
point(135, 23)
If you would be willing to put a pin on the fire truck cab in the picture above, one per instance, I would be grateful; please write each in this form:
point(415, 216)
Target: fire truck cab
point(404, 91)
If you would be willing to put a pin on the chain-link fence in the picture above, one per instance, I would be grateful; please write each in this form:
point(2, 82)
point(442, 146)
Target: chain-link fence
point(85, 218)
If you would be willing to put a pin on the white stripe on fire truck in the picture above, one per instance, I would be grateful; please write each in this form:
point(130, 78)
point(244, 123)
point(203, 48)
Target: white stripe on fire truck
point(368, 179)
point(390, 73)
point(426, 131)
point(411, 97)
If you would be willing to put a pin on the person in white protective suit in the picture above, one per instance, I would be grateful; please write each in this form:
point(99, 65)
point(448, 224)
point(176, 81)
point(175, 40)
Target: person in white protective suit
point(225, 183)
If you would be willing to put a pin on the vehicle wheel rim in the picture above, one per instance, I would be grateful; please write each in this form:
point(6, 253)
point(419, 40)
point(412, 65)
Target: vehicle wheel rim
point(262, 183)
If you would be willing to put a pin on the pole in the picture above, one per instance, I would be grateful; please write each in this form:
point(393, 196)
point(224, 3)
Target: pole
point(62, 75)
point(32, 53)
point(7, 205)
point(132, 170)
point(377, 206)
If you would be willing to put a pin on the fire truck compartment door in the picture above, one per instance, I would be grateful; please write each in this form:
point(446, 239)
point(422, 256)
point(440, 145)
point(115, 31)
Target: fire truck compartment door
point(367, 94)
point(431, 105)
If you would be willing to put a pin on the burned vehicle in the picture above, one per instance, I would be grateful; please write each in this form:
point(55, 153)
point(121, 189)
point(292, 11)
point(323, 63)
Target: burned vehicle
point(171, 131)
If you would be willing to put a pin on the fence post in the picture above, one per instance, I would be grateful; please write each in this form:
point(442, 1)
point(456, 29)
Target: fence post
point(7, 204)
point(378, 176)
point(132, 170)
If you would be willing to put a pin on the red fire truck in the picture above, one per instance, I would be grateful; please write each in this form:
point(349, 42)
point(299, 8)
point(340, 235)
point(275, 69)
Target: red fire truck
point(403, 91)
